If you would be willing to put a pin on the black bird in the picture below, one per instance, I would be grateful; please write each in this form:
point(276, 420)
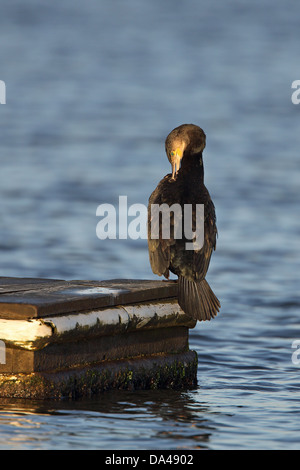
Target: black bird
point(168, 251)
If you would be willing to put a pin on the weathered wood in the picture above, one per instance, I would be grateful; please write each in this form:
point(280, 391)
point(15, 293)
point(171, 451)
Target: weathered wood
point(49, 298)
point(15, 284)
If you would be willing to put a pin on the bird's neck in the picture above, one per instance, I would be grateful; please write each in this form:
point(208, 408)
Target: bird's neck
point(193, 165)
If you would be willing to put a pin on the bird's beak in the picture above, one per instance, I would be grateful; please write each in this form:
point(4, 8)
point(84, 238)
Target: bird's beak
point(175, 164)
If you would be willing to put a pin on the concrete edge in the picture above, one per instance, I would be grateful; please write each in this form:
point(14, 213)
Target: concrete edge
point(35, 334)
point(173, 371)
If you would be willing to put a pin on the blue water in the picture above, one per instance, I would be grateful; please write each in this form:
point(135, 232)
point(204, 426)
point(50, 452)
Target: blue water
point(92, 90)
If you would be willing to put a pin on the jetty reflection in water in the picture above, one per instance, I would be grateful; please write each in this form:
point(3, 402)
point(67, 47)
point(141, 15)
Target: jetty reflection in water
point(172, 418)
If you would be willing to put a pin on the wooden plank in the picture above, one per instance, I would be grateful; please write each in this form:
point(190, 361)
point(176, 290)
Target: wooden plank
point(13, 284)
point(19, 281)
point(48, 298)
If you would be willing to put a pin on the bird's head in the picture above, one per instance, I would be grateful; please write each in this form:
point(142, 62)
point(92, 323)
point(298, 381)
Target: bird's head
point(187, 139)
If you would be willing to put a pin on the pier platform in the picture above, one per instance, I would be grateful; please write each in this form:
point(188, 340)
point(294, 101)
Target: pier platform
point(78, 338)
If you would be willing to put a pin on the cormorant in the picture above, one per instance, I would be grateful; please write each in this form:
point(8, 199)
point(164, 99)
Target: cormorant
point(185, 186)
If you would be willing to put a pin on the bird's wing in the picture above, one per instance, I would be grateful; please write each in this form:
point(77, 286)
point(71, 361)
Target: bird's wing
point(201, 258)
point(159, 246)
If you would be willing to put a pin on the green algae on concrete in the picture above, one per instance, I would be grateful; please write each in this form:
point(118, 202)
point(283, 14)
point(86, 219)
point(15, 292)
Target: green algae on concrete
point(176, 371)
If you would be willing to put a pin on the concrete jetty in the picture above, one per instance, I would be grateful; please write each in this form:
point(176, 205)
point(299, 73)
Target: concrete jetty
point(78, 338)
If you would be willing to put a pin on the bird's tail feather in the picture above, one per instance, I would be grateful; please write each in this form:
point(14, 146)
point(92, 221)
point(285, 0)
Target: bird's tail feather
point(197, 299)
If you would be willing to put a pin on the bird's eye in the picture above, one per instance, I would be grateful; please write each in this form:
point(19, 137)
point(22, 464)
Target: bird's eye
point(172, 154)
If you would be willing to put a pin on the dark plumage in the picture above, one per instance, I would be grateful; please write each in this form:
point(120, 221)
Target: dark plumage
point(185, 144)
